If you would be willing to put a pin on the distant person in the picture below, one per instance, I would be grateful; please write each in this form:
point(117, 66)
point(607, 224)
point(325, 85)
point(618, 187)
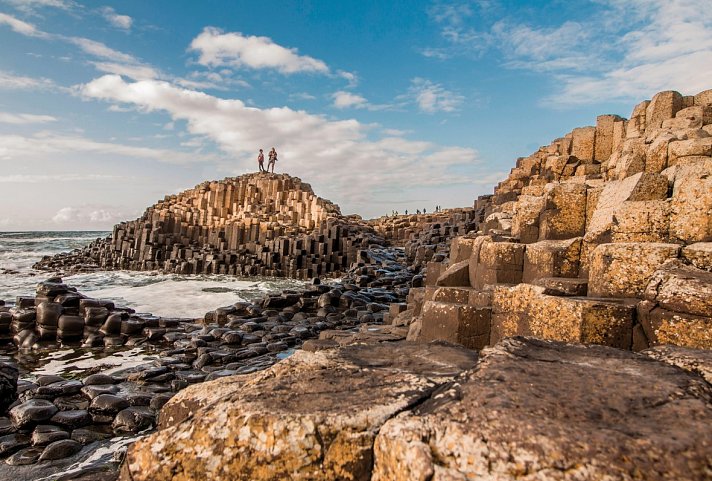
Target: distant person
point(406, 212)
point(424, 211)
point(261, 161)
point(272, 159)
point(417, 211)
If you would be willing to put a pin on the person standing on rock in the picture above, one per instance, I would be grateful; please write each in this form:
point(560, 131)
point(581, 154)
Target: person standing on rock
point(272, 159)
point(261, 161)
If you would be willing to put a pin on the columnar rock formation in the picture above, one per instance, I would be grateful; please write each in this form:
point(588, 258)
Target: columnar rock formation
point(255, 224)
point(604, 236)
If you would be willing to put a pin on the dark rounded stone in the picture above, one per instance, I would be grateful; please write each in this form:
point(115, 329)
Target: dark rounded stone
point(132, 327)
point(220, 373)
point(72, 419)
point(108, 404)
point(32, 412)
point(12, 442)
point(60, 449)
point(134, 419)
point(68, 403)
point(95, 390)
point(45, 434)
point(112, 325)
point(91, 434)
point(60, 388)
point(6, 426)
point(25, 456)
point(95, 316)
point(69, 327)
point(93, 340)
point(48, 314)
point(99, 379)
point(48, 379)
point(111, 341)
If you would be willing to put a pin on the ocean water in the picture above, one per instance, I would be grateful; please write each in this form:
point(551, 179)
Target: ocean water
point(167, 295)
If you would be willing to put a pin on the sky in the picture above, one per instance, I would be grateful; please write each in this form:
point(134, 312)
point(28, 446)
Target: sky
point(106, 107)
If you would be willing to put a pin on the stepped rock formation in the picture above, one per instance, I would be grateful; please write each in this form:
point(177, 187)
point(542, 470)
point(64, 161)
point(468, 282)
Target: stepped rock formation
point(604, 236)
point(256, 224)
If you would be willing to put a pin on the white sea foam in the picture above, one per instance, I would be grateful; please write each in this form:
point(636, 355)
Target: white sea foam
point(167, 295)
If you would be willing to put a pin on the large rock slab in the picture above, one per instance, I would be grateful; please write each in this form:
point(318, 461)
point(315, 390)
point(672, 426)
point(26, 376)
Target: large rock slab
point(537, 410)
point(463, 324)
point(312, 416)
point(681, 288)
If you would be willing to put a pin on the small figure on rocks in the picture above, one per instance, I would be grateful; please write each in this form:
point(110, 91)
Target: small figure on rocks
point(417, 211)
point(272, 159)
point(261, 161)
point(424, 211)
point(406, 212)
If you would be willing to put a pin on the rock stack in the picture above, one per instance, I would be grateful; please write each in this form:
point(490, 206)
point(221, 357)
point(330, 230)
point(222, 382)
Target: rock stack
point(604, 236)
point(255, 224)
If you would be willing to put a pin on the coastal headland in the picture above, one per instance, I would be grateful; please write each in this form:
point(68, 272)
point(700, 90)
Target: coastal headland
point(560, 328)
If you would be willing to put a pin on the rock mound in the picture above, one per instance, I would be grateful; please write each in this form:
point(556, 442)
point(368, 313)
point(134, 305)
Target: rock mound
point(255, 224)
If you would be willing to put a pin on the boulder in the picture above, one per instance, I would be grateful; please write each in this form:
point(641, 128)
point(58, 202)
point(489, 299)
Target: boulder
point(8, 385)
point(552, 258)
point(527, 310)
point(699, 255)
point(691, 218)
point(463, 324)
point(624, 269)
point(546, 410)
point(662, 326)
point(564, 214)
point(314, 415)
point(496, 263)
point(681, 288)
point(663, 106)
point(457, 274)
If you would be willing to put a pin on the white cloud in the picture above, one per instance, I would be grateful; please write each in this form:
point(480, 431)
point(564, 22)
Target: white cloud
point(30, 6)
point(42, 178)
point(337, 156)
point(344, 100)
point(48, 143)
point(9, 81)
point(98, 49)
point(118, 21)
point(22, 119)
point(18, 26)
point(135, 71)
point(88, 214)
point(235, 49)
point(432, 97)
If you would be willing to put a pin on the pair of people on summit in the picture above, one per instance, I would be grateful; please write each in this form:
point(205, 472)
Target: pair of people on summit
point(272, 159)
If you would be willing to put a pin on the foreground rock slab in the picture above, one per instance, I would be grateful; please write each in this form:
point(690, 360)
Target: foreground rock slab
point(312, 416)
point(540, 410)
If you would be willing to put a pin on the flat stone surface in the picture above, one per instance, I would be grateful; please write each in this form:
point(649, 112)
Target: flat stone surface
point(543, 410)
point(314, 415)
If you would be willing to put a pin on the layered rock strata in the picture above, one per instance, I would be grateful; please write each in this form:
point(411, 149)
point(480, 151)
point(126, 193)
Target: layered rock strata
point(255, 224)
point(604, 236)
point(527, 409)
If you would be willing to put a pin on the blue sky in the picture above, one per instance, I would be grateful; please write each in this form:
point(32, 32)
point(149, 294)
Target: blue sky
point(105, 107)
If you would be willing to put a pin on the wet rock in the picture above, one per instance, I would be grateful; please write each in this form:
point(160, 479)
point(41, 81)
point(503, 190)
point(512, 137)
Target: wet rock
point(6, 426)
point(72, 419)
point(12, 442)
point(108, 404)
point(48, 379)
point(45, 434)
point(159, 401)
point(8, 385)
point(133, 420)
point(60, 388)
point(99, 379)
point(60, 449)
point(68, 403)
point(32, 412)
point(25, 456)
point(95, 390)
point(90, 434)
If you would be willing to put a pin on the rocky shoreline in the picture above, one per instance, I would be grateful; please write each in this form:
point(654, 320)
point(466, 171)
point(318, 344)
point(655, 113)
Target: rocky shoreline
point(54, 419)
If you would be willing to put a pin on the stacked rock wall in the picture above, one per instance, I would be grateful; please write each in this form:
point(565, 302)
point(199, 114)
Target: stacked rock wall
point(604, 236)
point(256, 224)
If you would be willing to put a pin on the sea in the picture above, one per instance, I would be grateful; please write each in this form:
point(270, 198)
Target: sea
point(165, 295)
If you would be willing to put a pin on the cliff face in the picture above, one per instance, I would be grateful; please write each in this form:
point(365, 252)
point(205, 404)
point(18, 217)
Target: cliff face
point(255, 224)
point(603, 236)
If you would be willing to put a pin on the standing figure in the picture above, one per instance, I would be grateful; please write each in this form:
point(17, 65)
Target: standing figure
point(272, 159)
point(261, 161)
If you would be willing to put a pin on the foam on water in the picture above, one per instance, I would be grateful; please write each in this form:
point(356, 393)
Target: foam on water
point(167, 295)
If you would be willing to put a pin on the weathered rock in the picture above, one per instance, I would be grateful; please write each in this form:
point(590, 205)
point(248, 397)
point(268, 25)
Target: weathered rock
point(624, 269)
point(60, 449)
point(133, 420)
point(456, 275)
point(698, 361)
point(526, 310)
point(699, 255)
point(690, 219)
point(530, 411)
point(552, 259)
point(463, 324)
point(301, 429)
point(677, 287)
